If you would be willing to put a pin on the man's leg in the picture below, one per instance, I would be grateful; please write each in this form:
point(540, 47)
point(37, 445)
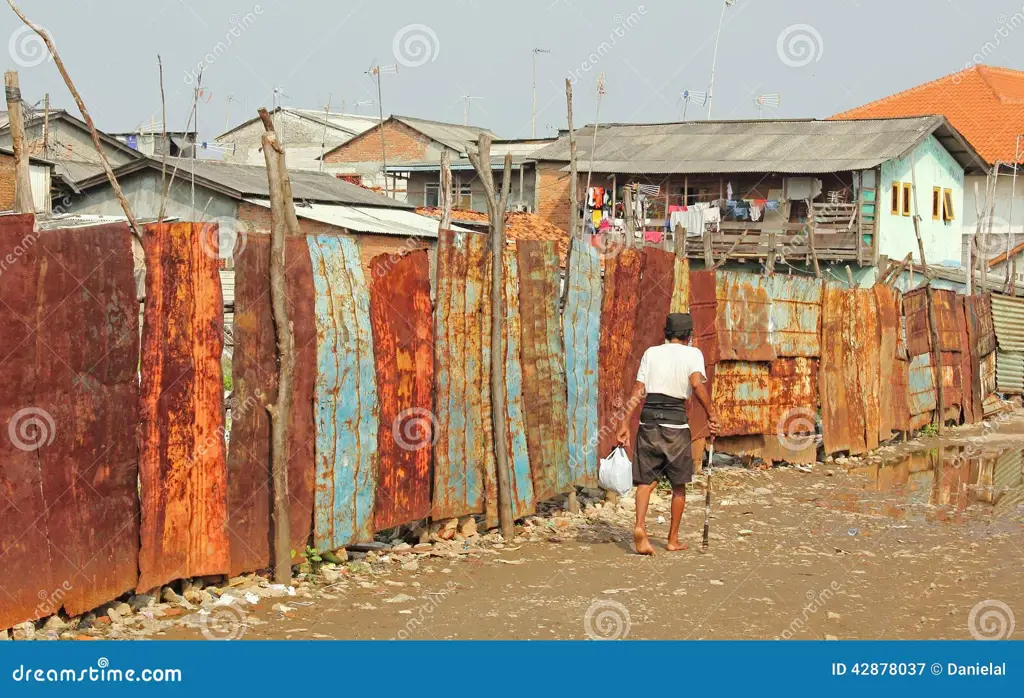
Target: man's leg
point(643, 498)
point(678, 507)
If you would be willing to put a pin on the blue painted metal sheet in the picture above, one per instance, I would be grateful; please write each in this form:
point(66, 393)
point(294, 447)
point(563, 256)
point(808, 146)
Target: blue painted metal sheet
point(795, 315)
point(345, 399)
point(518, 452)
point(743, 321)
point(582, 327)
point(460, 452)
point(922, 398)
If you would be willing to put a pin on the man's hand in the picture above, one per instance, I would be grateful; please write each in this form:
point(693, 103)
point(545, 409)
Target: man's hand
point(713, 423)
point(622, 435)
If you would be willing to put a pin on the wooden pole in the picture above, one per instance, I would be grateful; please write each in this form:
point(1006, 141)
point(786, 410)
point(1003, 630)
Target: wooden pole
point(936, 358)
point(574, 205)
point(446, 190)
point(22, 177)
point(812, 227)
point(917, 218)
point(46, 125)
point(891, 280)
point(283, 221)
point(849, 276)
point(990, 202)
point(166, 145)
point(627, 211)
point(679, 238)
point(140, 263)
point(496, 207)
point(722, 260)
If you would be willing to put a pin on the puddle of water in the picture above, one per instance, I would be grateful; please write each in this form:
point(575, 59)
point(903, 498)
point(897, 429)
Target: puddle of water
point(949, 483)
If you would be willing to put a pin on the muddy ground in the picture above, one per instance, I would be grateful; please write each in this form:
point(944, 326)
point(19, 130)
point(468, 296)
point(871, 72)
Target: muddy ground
point(920, 540)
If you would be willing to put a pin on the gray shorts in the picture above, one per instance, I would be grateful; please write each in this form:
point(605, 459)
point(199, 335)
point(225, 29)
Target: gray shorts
point(662, 452)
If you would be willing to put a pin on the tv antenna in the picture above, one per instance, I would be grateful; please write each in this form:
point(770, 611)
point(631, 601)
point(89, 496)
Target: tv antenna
point(767, 100)
point(698, 97)
point(375, 71)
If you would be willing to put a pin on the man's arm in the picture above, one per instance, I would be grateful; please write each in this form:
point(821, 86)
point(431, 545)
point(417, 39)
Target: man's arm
point(636, 401)
point(701, 393)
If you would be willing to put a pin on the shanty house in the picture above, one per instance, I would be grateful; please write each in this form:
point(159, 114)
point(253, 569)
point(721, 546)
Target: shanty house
point(771, 191)
point(400, 141)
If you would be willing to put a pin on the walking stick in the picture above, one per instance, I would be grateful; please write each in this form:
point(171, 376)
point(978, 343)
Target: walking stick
point(707, 496)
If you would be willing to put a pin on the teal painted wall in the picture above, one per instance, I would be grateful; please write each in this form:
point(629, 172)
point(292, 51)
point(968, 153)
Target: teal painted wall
point(933, 167)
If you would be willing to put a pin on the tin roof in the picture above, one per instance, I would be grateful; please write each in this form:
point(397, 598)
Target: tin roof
point(785, 146)
point(366, 219)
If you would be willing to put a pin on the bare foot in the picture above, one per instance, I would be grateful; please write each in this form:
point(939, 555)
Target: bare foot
point(674, 545)
point(640, 542)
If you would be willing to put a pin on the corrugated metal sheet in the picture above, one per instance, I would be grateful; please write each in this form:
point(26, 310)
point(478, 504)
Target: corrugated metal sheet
point(947, 318)
point(970, 368)
point(744, 317)
point(618, 325)
point(345, 398)
point(892, 395)
point(543, 365)
point(254, 374)
point(68, 484)
point(368, 219)
point(795, 315)
point(778, 398)
point(988, 375)
point(922, 398)
point(980, 323)
point(403, 343)
point(460, 450)
point(182, 463)
point(703, 308)
point(656, 290)
point(1008, 318)
point(952, 383)
point(915, 313)
point(582, 326)
point(700, 147)
point(681, 286)
point(1010, 372)
point(515, 409)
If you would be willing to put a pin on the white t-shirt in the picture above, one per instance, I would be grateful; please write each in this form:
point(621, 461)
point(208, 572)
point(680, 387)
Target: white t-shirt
point(667, 368)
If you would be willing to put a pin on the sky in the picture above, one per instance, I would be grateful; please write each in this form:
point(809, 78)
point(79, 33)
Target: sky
point(820, 57)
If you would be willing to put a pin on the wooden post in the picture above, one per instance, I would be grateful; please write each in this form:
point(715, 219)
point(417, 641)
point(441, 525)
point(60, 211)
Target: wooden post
point(575, 225)
point(936, 358)
point(917, 218)
point(849, 276)
point(723, 259)
point(895, 275)
point(166, 145)
point(22, 177)
point(679, 238)
point(812, 227)
point(769, 267)
point(496, 207)
point(46, 125)
point(709, 255)
point(990, 202)
point(446, 191)
point(283, 221)
point(627, 211)
point(881, 269)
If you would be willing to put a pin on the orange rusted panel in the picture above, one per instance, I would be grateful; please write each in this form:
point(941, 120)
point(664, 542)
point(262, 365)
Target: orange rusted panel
point(778, 398)
point(892, 397)
point(254, 383)
point(947, 318)
point(182, 467)
point(618, 324)
point(969, 368)
point(744, 316)
point(403, 342)
point(980, 324)
point(703, 309)
point(915, 312)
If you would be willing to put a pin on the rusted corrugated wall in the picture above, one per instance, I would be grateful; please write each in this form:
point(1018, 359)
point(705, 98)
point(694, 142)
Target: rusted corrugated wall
point(656, 289)
point(892, 387)
point(703, 309)
point(582, 328)
point(795, 315)
point(921, 397)
point(947, 316)
point(849, 370)
point(182, 466)
point(744, 317)
point(915, 313)
point(254, 383)
point(345, 398)
point(618, 325)
point(980, 324)
point(544, 376)
point(69, 405)
point(970, 366)
point(403, 341)
point(461, 450)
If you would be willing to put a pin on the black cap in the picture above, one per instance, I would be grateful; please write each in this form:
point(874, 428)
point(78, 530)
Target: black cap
point(678, 323)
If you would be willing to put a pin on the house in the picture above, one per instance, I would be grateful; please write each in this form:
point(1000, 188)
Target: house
point(754, 189)
point(423, 179)
point(40, 173)
point(307, 134)
point(401, 141)
point(986, 105)
point(150, 141)
point(1012, 261)
point(236, 196)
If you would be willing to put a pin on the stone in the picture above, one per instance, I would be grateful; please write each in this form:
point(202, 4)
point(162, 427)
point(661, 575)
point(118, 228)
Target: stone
point(467, 526)
point(830, 473)
point(338, 557)
point(627, 504)
point(115, 616)
point(833, 615)
point(762, 491)
point(656, 498)
point(331, 576)
point(24, 631)
point(168, 595)
point(4, 635)
point(197, 596)
point(411, 566)
point(401, 548)
point(141, 601)
point(124, 609)
point(746, 532)
point(400, 598)
point(54, 624)
point(282, 608)
point(423, 547)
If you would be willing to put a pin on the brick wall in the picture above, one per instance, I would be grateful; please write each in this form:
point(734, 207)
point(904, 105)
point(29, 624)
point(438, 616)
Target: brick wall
point(553, 193)
point(403, 145)
point(253, 219)
point(6, 182)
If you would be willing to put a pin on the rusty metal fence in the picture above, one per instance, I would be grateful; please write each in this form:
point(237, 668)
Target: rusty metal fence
point(141, 473)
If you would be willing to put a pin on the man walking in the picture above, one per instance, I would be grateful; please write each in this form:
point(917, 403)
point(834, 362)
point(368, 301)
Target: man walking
point(669, 375)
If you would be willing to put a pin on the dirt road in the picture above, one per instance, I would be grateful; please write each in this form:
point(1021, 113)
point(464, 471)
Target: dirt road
point(929, 545)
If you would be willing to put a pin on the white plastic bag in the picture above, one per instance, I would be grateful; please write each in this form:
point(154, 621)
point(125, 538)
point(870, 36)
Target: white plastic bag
point(616, 472)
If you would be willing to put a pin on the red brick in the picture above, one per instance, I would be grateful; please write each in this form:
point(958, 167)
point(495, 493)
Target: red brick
point(404, 144)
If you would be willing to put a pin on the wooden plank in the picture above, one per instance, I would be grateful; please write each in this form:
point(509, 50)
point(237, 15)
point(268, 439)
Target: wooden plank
point(680, 286)
point(582, 326)
point(543, 366)
point(182, 464)
point(403, 332)
point(345, 400)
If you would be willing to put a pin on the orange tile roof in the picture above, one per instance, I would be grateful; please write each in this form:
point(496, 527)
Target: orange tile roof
point(519, 225)
point(984, 103)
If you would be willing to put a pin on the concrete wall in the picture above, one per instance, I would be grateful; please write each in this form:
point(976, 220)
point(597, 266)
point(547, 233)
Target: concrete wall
point(301, 138)
point(933, 167)
point(1001, 222)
